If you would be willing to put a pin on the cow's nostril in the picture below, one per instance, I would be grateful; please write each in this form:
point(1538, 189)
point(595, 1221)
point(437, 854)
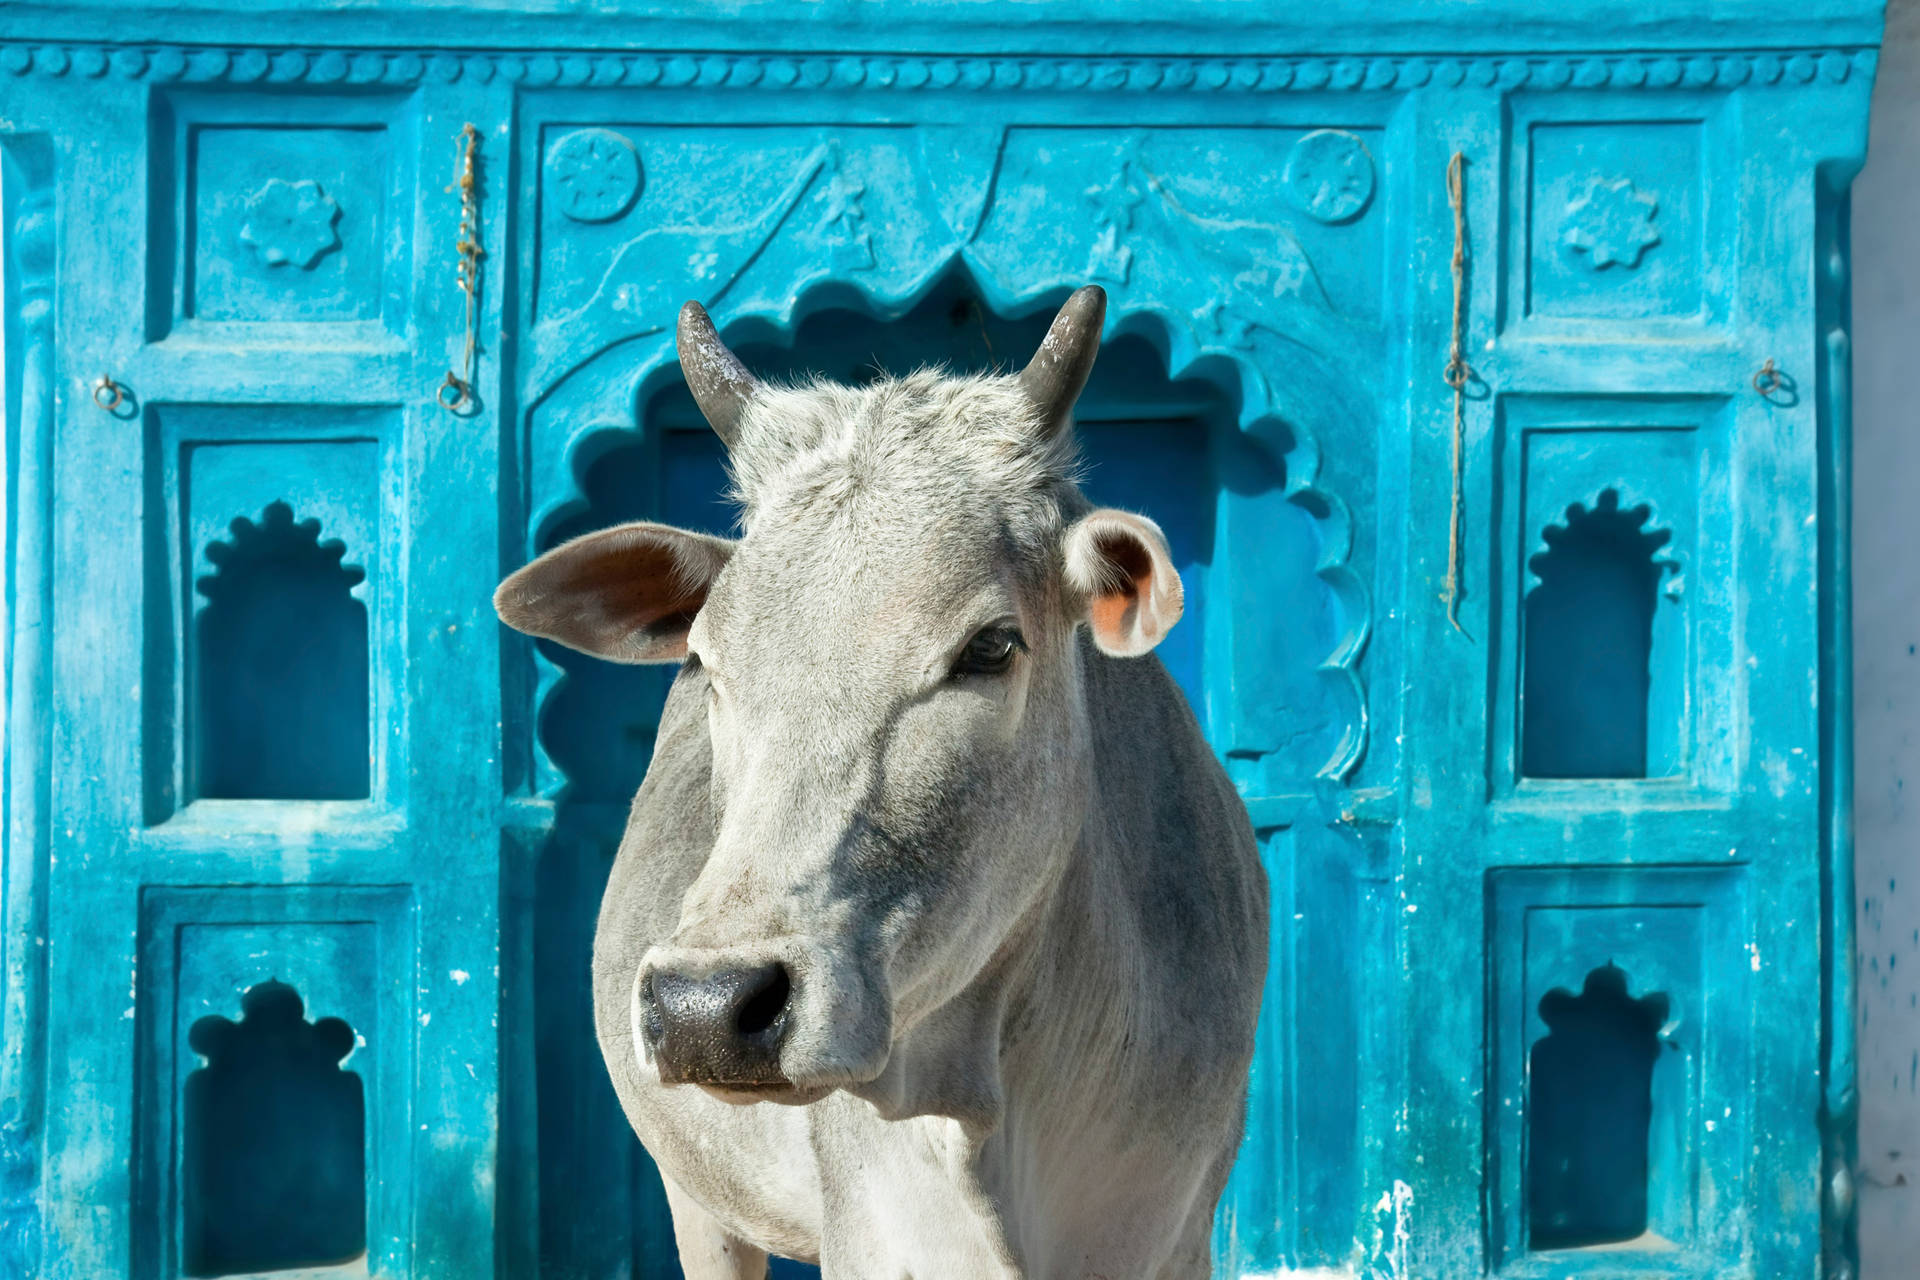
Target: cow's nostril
point(764, 1005)
point(651, 1024)
point(722, 1027)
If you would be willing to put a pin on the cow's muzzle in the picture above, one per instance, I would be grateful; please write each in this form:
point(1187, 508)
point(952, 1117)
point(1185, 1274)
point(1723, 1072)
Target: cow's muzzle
point(722, 1028)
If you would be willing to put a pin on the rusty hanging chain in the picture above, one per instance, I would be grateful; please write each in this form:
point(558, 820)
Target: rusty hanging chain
point(456, 392)
point(1456, 375)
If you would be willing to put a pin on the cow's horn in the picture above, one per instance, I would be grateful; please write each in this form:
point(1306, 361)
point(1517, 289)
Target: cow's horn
point(1054, 377)
point(720, 384)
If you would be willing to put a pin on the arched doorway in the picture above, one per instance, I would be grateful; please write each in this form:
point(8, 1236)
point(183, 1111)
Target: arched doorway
point(1259, 651)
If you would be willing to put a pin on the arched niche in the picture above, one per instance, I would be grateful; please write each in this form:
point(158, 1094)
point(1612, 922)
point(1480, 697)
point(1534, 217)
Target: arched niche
point(273, 1161)
point(1591, 1101)
point(1603, 672)
point(1275, 620)
point(281, 671)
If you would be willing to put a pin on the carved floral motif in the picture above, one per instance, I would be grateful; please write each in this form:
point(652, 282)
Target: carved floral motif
point(291, 223)
point(595, 175)
point(1330, 175)
point(1113, 204)
point(1259, 264)
point(1612, 223)
point(843, 226)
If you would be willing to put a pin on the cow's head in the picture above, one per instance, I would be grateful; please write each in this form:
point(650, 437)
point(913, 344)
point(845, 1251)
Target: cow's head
point(899, 737)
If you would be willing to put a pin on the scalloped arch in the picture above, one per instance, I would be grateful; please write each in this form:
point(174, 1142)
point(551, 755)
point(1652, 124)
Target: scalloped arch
point(1662, 553)
point(1284, 424)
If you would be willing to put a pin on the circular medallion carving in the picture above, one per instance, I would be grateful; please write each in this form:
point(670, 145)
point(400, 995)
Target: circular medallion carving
point(594, 174)
point(1330, 175)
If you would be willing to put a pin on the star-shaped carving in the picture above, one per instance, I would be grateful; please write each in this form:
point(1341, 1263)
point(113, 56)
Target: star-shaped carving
point(844, 223)
point(1115, 200)
point(1612, 223)
point(596, 178)
point(843, 200)
point(291, 223)
point(596, 174)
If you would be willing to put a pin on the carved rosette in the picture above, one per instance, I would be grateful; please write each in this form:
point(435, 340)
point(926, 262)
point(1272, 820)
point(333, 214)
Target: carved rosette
point(595, 175)
point(843, 223)
point(291, 223)
point(1612, 224)
point(1330, 175)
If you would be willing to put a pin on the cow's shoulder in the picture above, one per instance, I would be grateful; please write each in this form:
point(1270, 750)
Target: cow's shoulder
point(1158, 783)
point(1183, 859)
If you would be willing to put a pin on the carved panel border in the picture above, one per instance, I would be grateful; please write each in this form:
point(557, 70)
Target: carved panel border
point(908, 73)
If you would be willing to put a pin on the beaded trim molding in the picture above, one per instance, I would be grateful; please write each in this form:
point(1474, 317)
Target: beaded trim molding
point(203, 64)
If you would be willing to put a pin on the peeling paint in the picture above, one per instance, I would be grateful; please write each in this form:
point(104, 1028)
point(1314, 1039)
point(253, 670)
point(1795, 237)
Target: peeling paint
point(1392, 1234)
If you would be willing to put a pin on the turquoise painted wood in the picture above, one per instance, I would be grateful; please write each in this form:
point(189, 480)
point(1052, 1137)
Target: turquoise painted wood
point(302, 852)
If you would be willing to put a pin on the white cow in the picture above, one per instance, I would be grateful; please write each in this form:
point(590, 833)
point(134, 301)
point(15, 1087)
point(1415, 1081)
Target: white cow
point(935, 942)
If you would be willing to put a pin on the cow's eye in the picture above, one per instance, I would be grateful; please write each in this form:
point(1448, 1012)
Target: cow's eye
point(989, 653)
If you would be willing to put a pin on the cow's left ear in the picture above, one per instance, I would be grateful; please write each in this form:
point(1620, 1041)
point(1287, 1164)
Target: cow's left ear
point(1119, 563)
point(627, 594)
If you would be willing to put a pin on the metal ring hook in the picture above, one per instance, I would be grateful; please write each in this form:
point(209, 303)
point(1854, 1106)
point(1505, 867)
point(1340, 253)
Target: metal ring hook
point(453, 393)
point(108, 394)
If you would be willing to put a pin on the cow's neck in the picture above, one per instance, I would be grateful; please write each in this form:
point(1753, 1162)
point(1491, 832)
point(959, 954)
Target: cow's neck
point(952, 1064)
point(1050, 1058)
point(1062, 1006)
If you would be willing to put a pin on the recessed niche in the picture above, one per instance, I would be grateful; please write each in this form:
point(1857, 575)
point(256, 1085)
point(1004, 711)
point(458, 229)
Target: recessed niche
point(281, 672)
point(1590, 1112)
point(244, 1112)
point(1599, 698)
point(1620, 1068)
point(273, 1171)
point(272, 213)
point(1622, 222)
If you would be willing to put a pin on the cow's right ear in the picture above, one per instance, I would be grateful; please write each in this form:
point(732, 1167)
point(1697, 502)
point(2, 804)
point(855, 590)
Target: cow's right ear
point(627, 594)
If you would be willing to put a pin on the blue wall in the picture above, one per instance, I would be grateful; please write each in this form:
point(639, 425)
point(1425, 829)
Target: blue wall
point(1537, 696)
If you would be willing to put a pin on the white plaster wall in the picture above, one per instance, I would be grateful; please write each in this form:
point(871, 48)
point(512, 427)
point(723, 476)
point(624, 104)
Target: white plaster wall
point(1886, 616)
